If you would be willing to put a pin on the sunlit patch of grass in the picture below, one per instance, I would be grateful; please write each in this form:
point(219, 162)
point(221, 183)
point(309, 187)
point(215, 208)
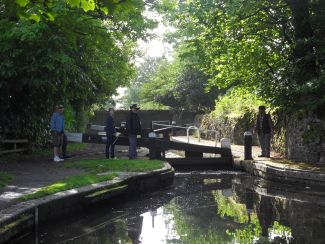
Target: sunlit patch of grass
point(93, 167)
point(76, 147)
point(103, 165)
point(68, 183)
point(72, 147)
point(5, 178)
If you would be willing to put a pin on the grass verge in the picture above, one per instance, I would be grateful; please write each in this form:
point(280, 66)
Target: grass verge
point(92, 168)
point(103, 165)
point(73, 147)
point(67, 184)
point(5, 178)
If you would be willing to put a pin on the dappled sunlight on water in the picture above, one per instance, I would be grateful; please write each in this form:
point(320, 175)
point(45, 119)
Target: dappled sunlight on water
point(208, 207)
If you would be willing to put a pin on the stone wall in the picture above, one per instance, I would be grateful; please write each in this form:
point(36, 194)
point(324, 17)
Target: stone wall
point(232, 128)
point(299, 137)
point(305, 139)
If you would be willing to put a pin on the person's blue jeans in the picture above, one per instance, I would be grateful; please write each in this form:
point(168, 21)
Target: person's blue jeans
point(133, 147)
point(110, 146)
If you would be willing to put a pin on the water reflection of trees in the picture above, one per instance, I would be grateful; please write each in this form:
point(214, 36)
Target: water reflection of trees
point(249, 214)
point(221, 209)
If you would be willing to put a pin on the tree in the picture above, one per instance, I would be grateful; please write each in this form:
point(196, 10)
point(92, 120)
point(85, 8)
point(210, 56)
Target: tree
point(179, 84)
point(78, 58)
point(145, 70)
point(271, 48)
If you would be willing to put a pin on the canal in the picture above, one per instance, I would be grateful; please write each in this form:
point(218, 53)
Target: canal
point(201, 207)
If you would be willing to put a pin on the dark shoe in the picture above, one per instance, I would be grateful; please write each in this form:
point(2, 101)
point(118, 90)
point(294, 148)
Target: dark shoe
point(261, 156)
point(267, 156)
point(66, 156)
point(107, 157)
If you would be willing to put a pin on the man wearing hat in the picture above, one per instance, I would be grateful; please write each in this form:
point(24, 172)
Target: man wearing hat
point(264, 129)
point(110, 134)
point(57, 131)
point(133, 128)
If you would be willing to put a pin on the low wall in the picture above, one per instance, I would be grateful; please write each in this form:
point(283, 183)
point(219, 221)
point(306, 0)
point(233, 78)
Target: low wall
point(301, 137)
point(280, 174)
point(25, 216)
point(233, 128)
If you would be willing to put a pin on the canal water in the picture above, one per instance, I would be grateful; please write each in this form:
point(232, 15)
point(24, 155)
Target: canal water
point(201, 207)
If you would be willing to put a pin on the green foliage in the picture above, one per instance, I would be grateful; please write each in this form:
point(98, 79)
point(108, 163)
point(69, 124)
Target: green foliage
point(71, 149)
point(233, 110)
point(5, 179)
point(68, 183)
point(192, 231)
point(271, 48)
point(53, 53)
point(232, 222)
point(314, 134)
point(104, 165)
point(76, 147)
point(235, 105)
point(145, 71)
point(177, 84)
point(227, 206)
point(281, 230)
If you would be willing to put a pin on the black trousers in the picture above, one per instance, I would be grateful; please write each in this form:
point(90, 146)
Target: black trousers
point(64, 145)
point(110, 146)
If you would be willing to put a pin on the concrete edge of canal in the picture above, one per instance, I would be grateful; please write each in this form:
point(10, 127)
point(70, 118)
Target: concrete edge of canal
point(280, 174)
point(25, 216)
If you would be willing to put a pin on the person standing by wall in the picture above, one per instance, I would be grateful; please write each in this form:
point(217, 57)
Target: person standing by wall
point(110, 134)
point(133, 128)
point(57, 131)
point(264, 129)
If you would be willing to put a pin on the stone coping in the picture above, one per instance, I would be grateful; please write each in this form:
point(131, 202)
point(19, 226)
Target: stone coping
point(26, 215)
point(276, 172)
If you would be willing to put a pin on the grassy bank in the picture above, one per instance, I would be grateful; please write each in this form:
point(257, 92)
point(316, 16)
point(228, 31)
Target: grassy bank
point(102, 165)
point(67, 184)
point(92, 167)
point(73, 147)
point(5, 178)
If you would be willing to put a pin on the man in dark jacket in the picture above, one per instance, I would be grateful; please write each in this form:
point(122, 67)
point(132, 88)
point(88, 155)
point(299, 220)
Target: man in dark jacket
point(264, 128)
point(133, 128)
point(110, 134)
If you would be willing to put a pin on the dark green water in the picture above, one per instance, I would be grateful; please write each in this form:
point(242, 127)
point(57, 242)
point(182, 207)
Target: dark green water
point(219, 207)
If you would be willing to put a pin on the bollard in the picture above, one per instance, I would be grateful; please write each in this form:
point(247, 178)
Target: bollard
point(248, 142)
point(152, 146)
point(154, 152)
point(173, 128)
point(225, 143)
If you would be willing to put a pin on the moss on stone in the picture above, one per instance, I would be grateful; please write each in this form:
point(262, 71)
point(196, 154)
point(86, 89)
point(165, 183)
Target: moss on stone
point(314, 133)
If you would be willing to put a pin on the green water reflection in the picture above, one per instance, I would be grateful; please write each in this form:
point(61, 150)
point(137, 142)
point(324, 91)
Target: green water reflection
point(201, 208)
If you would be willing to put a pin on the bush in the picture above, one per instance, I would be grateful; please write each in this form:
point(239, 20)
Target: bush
point(234, 113)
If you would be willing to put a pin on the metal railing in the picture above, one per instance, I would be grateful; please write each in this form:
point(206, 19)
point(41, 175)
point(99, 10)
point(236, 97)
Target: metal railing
point(187, 128)
point(166, 125)
point(188, 132)
point(159, 123)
